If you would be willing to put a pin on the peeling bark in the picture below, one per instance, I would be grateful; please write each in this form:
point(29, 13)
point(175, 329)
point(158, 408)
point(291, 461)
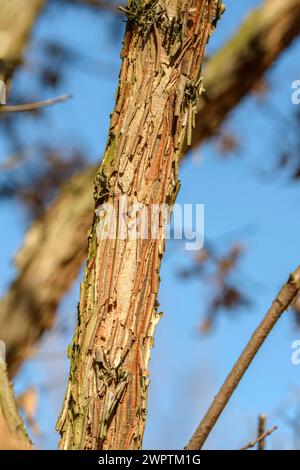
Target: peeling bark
point(106, 398)
point(284, 299)
point(256, 45)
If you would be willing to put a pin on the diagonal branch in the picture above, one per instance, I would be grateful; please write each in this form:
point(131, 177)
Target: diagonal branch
point(261, 438)
point(284, 299)
point(27, 107)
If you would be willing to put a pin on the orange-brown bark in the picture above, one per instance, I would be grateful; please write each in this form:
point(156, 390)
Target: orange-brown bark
point(105, 405)
point(253, 48)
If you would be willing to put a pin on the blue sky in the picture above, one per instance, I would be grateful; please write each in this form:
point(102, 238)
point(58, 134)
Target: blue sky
point(186, 369)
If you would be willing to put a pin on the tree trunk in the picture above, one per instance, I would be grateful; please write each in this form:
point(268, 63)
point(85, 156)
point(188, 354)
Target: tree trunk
point(32, 300)
point(160, 80)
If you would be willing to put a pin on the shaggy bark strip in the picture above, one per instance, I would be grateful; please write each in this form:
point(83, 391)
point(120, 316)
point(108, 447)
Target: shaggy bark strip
point(160, 80)
point(262, 419)
point(284, 299)
point(244, 58)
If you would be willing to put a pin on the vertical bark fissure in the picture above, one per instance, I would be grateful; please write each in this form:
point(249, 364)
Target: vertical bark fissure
point(32, 300)
point(160, 81)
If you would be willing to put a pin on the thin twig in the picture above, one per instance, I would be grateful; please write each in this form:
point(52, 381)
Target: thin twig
point(9, 410)
point(260, 438)
point(20, 108)
point(284, 299)
point(261, 429)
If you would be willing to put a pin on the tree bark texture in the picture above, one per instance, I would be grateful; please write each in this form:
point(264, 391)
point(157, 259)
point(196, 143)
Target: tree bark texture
point(264, 34)
point(160, 80)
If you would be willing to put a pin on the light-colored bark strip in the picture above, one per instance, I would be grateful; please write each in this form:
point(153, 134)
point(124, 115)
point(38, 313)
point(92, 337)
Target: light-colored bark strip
point(284, 299)
point(241, 65)
point(106, 398)
point(34, 106)
point(260, 440)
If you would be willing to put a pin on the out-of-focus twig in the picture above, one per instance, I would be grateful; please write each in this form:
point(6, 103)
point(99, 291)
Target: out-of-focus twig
point(284, 299)
point(260, 439)
point(261, 430)
point(20, 108)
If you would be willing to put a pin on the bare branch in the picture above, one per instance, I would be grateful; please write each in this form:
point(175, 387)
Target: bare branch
point(26, 107)
point(260, 439)
point(285, 298)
